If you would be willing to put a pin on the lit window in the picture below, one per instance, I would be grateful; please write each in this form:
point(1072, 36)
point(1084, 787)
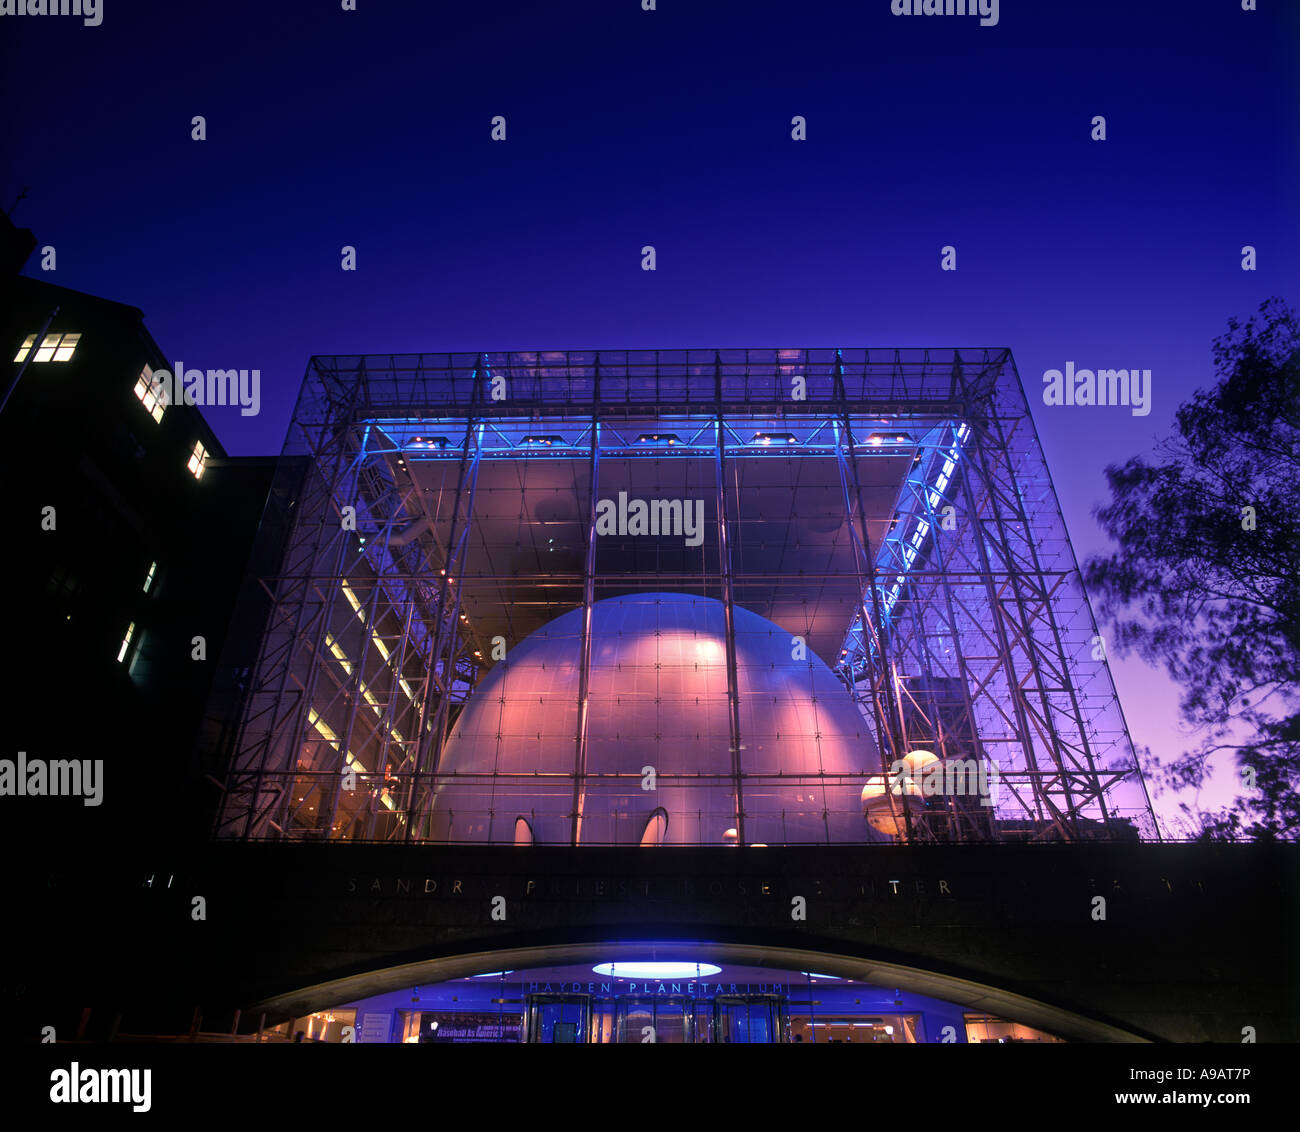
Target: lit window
point(144, 390)
point(66, 347)
point(313, 717)
point(126, 642)
point(153, 568)
point(375, 639)
point(339, 654)
point(53, 348)
point(349, 759)
point(198, 460)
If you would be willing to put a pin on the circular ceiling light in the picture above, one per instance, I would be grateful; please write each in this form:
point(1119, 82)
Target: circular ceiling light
point(636, 970)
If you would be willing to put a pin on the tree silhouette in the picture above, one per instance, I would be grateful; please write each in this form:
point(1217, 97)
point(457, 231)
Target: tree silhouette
point(1206, 577)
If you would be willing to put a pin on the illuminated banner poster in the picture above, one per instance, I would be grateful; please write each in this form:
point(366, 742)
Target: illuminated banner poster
point(478, 1027)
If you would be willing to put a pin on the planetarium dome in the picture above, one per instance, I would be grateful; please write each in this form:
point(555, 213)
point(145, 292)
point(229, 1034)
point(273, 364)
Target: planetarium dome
point(657, 698)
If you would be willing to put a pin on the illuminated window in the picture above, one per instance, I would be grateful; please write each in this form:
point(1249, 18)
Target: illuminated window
point(987, 1028)
point(349, 759)
point(153, 568)
point(66, 347)
point(145, 392)
point(198, 460)
point(126, 642)
point(53, 348)
point(313, 717)
point(375, 639)
point(339, 654)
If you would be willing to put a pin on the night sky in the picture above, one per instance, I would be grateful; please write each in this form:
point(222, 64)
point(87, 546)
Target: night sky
point(371, 128)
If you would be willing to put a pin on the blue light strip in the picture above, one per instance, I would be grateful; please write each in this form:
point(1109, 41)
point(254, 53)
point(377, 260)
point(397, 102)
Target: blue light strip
point(907, 540)
point(519, 437)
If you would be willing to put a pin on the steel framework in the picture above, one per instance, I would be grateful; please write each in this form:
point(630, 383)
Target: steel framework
point(920, 549)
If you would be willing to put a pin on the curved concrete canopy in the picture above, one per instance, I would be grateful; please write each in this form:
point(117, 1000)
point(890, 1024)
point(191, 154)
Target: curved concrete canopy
point(1052, 1019)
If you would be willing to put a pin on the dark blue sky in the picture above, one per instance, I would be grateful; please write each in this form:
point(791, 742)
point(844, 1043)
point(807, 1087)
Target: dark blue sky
point(672, 128)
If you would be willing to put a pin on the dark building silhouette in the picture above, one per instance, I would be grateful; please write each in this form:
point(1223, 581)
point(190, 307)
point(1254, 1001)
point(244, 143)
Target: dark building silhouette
point(118, 557)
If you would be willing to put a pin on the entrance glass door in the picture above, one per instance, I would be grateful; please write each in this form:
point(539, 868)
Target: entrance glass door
point(667, 1018)
point(747, 1019)
point(559, 1019)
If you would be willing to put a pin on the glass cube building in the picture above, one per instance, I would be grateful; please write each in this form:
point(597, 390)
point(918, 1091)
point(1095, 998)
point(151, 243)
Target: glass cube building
point(693, 597)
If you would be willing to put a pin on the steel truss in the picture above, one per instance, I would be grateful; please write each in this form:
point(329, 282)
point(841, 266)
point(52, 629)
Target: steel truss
point(973, 638)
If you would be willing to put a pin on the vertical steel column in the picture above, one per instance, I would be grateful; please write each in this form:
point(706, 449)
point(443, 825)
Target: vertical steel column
point(588, 600)
point(889, 727)
point(429, 747)
point(318, 545)
point(945, 586)
point(996, 612)
point(728, 602)
point(1066, 675)
point(370, 625)
point(316, 659)
point(442, 721)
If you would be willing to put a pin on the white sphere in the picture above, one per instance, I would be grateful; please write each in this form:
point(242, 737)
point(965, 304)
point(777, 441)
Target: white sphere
point(885, 813)
point(917, 761)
